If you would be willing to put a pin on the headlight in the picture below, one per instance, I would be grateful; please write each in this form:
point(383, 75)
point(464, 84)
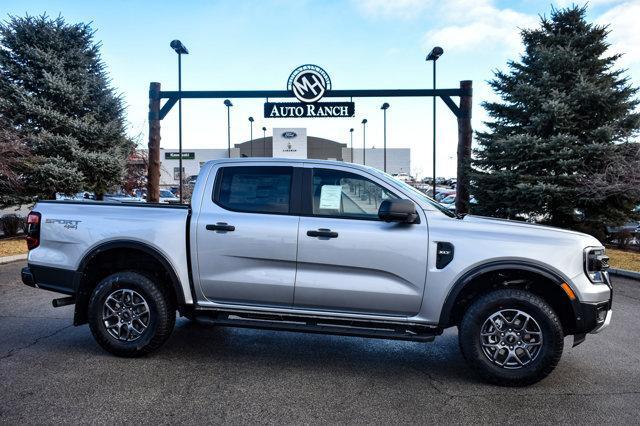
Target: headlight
point(595, 264)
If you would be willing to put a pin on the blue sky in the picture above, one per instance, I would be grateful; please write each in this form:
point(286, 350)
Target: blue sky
point(362, 44)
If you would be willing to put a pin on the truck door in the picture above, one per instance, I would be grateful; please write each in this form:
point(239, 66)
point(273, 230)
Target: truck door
point(247, 235)
point(348, 259)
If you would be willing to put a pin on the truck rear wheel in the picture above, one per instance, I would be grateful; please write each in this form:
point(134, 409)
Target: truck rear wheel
point(130, 315)
point(511, 337)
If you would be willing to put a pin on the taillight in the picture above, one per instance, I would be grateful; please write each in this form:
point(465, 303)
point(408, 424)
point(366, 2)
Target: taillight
point(33, 230)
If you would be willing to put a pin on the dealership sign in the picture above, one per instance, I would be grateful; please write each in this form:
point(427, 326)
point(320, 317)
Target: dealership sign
point(308, 83)
point(300, 110)
point(176, 155)
point(289, 143)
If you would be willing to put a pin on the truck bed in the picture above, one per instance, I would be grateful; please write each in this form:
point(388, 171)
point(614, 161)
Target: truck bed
point(71, 229)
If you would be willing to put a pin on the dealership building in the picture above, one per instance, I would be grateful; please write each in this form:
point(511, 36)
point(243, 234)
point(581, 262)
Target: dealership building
point(285, 143)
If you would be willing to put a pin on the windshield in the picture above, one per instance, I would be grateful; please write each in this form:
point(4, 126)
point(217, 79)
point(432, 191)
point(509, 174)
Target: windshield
point(419, 194)
point(166, 194)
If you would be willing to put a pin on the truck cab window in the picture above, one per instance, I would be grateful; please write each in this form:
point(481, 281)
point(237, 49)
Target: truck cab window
point(255, 189)
point(343, 194)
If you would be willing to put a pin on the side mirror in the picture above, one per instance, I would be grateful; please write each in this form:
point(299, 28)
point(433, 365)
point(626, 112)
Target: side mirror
point(398, 211)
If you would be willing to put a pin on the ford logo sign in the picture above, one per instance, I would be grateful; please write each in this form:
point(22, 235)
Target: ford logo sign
point(289, 135)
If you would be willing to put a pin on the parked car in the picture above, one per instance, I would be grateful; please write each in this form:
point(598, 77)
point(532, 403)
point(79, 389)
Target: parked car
point(322, 247)
point(168, 197)
point(84, 195)
point(449, 199)
point(403, 177)
point(441, 181)
point(141, 193)
point(443, 193)
point(121, 197)
point(625, 235)
point(449, 202)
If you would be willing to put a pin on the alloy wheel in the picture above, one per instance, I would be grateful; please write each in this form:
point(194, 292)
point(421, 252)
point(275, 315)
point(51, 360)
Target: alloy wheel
point(125, 314)
point(511, 338)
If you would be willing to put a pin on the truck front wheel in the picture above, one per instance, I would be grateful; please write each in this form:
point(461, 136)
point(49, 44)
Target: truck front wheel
point(130, 315)
point(511, 337)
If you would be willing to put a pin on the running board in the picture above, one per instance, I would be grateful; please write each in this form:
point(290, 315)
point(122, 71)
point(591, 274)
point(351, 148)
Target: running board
point(324, 326)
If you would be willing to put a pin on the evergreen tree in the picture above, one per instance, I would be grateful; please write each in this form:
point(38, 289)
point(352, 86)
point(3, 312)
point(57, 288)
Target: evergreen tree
point(55, 92)
point(566, 120)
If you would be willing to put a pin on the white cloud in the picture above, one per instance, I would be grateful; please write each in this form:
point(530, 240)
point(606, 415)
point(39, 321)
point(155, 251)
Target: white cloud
point(466, 24)
point(482, 25)
point(625, 31)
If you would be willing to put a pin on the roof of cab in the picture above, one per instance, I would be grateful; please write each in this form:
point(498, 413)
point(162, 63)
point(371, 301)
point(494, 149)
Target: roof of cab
point(291, 160)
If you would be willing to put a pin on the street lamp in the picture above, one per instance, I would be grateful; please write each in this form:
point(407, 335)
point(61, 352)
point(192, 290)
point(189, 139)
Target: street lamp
point(251, 143)
point(264, 141)
point(180, 50)
point(384, 108)
point(351, 133)
point(228, 104)
point(435, 53)
point(364, 141)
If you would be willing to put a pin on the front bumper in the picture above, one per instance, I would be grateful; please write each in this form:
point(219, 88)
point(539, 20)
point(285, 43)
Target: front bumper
point(594, 317)
point(605, 324)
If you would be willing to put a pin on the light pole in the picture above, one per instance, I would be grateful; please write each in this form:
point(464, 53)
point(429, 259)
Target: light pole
point(435, 53)
point(364, 141)
point(228, 104)
point(264, 141)
point(351, 133)
point(180, 50)
point(384, 108)
point(251, 143)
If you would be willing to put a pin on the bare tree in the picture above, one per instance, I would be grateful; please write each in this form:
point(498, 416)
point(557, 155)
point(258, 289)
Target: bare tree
point(13, 162)
point(136, 170)
point(619, 178)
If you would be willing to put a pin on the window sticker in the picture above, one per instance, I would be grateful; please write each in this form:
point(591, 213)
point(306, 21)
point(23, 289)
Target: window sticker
point(330, 197)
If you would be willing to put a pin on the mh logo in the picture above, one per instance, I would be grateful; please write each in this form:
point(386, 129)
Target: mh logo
point(309, 83)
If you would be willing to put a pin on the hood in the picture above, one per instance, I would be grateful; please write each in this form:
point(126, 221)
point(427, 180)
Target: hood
point(518, 227)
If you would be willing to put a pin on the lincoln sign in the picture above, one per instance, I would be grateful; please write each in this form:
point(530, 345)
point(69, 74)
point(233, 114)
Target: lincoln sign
point(308, 83)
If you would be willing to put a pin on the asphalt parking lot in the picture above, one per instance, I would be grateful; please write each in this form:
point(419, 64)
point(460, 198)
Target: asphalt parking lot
point(52, 372)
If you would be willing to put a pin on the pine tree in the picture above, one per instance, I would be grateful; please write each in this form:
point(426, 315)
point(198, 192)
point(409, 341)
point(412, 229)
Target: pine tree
point(55, 92)
point(566, 120)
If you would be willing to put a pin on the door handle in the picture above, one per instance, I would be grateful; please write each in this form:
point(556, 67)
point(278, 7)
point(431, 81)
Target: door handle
point(323, 232)
point(221, 226)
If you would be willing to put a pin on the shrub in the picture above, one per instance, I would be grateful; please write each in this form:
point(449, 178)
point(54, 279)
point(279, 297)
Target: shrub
point(11, 224)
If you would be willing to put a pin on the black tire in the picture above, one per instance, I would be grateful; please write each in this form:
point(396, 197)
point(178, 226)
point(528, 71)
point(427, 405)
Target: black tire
point(160, 320)
point(540, 366)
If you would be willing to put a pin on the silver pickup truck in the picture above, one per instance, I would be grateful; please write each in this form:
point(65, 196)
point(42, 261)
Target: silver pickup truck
point(321, 247)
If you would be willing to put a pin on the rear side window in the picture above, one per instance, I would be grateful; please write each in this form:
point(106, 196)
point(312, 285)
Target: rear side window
point(255, 189)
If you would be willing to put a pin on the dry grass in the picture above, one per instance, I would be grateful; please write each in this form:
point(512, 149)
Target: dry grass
point(12, 246)
point(619, 259)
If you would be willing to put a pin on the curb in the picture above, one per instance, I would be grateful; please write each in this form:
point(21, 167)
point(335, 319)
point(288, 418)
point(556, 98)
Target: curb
point(14, 258)
point(625, 273)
